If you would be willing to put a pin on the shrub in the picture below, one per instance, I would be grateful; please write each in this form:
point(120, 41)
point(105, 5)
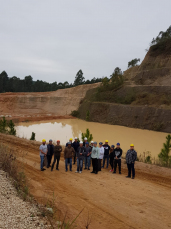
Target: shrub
point(87, 115)
point(74, 113)
point(164, 156)
point(33, 136)
point(87, 135)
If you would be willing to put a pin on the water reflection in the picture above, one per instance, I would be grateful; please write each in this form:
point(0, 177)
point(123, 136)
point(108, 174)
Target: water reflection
point(64, 129)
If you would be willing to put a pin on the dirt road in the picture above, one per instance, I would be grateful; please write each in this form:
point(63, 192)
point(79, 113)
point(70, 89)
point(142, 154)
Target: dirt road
point(110, 199)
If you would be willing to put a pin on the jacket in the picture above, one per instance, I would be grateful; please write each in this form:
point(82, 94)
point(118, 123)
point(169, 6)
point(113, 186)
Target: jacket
point(48, 148)
point(88, 150)
point(95, 152)
point(81, 150)
point(131, 156)
point(75, 145)
point(57, 150)
point(69, 152)
point(106, 149)
point(101, 152)
point(117, 153)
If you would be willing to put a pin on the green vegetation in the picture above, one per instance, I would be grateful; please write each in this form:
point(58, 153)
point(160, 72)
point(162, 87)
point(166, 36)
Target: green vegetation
point(164, 155)
point(87, 135)
point(162, 37)
point(15, 84)
point(75, 113)
point(116, 81)
point(33, 136)
point(7, 127)
point(133, 63)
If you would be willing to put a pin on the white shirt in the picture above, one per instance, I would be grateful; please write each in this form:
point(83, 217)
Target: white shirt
point(43, 148)
point(101, 150)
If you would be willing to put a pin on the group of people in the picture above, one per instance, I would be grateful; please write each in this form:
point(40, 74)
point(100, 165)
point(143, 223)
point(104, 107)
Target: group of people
point(88, 153)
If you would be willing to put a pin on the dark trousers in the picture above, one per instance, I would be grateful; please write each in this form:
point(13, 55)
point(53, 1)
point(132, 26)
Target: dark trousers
point(74, 159)
point(56, 158)
point(95, 165)
point(99, 164)
point(117, 162)
point(131, 168)
point(111, 163)
point(49, 158)
point(106, 157)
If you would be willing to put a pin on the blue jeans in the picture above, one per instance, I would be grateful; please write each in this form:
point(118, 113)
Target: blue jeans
point(41, 162)
point(68, 161)
point(79, 164)
point(87, 161)
point(104, 159)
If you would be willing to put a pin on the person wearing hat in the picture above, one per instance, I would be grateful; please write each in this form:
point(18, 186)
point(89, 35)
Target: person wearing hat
point(101, 155)
point(70, 140)
point(50, 148)
point(80, 157)
point(117, 153)
point(69, 152)
point(85, 140)
point(75, 145)
point(95, 157)
point(111, 157)
point(57, 154)
point(131, 157)
point(87, 157)
point(91, 145)
point(106, 154)
point(43, 152)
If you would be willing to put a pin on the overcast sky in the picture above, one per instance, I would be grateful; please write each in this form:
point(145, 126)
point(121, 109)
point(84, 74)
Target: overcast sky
point(52, 40)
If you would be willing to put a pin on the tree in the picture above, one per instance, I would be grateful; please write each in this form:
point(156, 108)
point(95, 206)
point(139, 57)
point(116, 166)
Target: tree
point(28, 81)
point(164, 156)
point(11, 126)
point(33, 136)
point(79, 78)
point(162, 36)
point(133, 62)
point(87, 135)
point(3, 125)
point(4, 82)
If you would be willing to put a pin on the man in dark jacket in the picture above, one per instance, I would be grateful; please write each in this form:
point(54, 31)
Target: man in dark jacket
point(69, 152)
point(117, 157)
point(131, 157)
point(80, 157)
point(106, 154)
point(50, 148)
point(75, 145)
point(57, 154)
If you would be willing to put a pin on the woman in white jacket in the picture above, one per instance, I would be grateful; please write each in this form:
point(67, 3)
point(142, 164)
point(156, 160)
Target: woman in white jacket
point(101, 155)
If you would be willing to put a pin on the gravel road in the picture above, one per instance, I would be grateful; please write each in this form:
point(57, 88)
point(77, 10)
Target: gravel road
point(14, 212)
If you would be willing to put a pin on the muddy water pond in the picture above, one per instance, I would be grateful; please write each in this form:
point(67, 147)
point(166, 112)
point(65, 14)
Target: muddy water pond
point(63, 129)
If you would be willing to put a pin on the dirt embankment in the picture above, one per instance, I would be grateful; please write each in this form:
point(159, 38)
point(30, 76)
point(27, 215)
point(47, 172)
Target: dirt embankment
point(110, 200)
point(42, 105)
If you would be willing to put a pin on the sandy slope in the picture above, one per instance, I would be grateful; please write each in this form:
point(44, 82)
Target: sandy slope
point(39, 105)
point(111, 200)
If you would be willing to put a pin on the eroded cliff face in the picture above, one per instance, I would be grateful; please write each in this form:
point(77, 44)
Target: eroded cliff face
point(155, 69)
point(57, 103)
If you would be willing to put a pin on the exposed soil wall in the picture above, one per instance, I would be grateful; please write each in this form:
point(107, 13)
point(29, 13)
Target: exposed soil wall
point(142, 117)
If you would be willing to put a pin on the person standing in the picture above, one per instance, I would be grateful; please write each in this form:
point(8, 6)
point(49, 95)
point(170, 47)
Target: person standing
point(70, 140)
point(85, 140)
point(111, 157)
point(95, 156)
point(69, 152)
point(106, 154)
point(57, 154)
point(117, 157)
point(80, 157)
point(87, 157)
point(101, 155)
point(43, 152)
point(131, 157)
point(50, 152)
point(75, 145)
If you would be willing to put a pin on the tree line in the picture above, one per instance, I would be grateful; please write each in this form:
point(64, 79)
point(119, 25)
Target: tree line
point(15, 84)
